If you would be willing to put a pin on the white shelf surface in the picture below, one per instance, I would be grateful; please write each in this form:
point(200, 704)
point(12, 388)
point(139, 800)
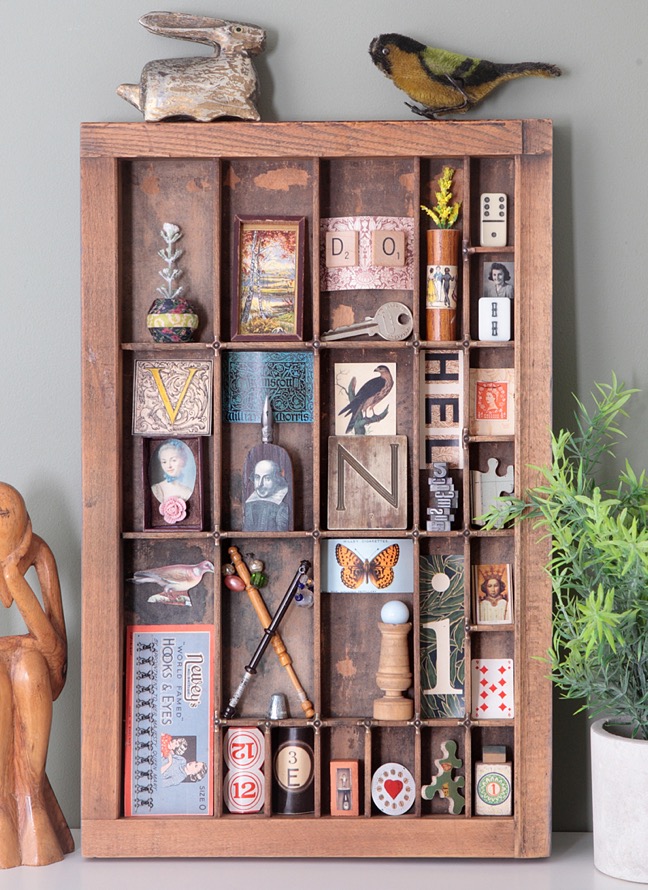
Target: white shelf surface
point(570, 867)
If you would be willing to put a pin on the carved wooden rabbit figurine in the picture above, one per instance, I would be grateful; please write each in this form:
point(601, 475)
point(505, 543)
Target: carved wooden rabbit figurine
point(33, 830)
point(201, 88)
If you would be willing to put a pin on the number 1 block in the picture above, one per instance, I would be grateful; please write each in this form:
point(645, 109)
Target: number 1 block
point(493, 789)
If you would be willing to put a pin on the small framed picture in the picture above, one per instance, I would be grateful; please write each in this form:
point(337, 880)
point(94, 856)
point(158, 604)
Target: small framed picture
point(498, 280)
point(268, 284)
point(345, 796)
point(172, 485)
point(493, 594)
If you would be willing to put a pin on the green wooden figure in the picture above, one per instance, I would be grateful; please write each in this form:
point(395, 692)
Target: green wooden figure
point(443, 784)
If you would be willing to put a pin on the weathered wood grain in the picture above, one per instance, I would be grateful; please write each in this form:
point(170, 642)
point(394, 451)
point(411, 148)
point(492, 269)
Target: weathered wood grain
point(133, 177)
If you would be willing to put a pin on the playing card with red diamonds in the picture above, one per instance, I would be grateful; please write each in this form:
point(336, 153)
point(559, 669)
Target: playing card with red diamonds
point(492, 689)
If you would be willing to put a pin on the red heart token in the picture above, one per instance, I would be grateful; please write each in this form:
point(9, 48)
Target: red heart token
point(393, 787)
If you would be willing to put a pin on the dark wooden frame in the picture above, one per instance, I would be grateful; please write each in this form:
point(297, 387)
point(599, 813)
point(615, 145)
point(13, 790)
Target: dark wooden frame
point(296, 224)
point(153, 520)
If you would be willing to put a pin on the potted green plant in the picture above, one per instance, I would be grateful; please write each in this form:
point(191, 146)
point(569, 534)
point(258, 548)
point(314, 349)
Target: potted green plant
point(443, 245)
point(599, 655)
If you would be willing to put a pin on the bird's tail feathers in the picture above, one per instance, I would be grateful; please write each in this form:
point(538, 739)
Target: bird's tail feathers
point(533, 69)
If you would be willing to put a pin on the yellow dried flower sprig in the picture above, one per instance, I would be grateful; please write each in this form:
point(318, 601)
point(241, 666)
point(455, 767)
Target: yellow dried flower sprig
point(444, 214)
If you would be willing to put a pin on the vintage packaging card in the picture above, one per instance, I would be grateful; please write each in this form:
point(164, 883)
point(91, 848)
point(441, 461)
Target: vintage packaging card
point(169, 716)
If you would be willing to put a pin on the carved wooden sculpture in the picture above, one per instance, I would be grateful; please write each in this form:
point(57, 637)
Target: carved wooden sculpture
point(201, 88)
point(33, 830)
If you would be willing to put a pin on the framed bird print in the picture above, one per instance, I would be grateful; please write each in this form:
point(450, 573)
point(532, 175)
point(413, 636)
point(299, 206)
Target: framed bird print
point(365, 398)
point(172, 483)
point(268, 278)
point(368, 565)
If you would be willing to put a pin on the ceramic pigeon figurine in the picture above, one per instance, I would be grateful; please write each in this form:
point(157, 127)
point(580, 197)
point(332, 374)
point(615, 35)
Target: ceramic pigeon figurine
point(176, 581)
point(445, 82)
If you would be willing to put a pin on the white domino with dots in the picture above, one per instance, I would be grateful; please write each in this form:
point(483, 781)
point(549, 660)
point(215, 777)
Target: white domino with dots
point(493, 216)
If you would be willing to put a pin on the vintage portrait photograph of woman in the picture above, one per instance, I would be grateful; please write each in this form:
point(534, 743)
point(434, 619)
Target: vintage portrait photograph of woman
point(498, 280)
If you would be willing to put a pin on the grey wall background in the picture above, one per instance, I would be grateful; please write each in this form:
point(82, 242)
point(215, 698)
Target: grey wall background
point(60, 65)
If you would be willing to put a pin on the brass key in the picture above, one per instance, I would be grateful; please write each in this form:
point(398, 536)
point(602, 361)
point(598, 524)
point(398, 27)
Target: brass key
point(392, 321)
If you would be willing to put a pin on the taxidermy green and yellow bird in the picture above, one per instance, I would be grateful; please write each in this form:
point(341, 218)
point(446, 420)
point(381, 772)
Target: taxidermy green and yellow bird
point(444, 82)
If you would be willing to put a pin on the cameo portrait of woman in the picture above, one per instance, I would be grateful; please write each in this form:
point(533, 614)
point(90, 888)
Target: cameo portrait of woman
point(172, 470)
point(172, 478)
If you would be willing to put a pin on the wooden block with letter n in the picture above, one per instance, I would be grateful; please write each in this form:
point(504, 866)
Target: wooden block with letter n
point(367, 482)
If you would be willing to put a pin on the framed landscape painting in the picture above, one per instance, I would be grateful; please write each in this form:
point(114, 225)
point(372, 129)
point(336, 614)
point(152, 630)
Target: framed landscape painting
point(268, 285)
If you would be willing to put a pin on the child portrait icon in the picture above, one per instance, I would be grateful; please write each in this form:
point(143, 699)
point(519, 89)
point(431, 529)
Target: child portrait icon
point(493, 594)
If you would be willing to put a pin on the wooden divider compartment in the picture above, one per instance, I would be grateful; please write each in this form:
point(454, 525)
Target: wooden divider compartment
point(136, 177)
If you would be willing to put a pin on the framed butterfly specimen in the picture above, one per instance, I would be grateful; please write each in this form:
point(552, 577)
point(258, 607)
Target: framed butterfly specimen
point(368, 565)
point(379, 570)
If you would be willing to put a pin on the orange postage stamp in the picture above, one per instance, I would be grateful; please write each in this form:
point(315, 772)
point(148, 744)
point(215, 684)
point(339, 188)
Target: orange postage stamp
point(491, 400)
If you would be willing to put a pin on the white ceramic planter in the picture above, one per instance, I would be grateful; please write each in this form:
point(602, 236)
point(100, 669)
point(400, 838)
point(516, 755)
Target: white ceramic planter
point(620, 804)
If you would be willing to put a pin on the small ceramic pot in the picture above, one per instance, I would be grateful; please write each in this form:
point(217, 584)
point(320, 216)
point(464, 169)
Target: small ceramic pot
point(171, 320)
point(619, 803)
